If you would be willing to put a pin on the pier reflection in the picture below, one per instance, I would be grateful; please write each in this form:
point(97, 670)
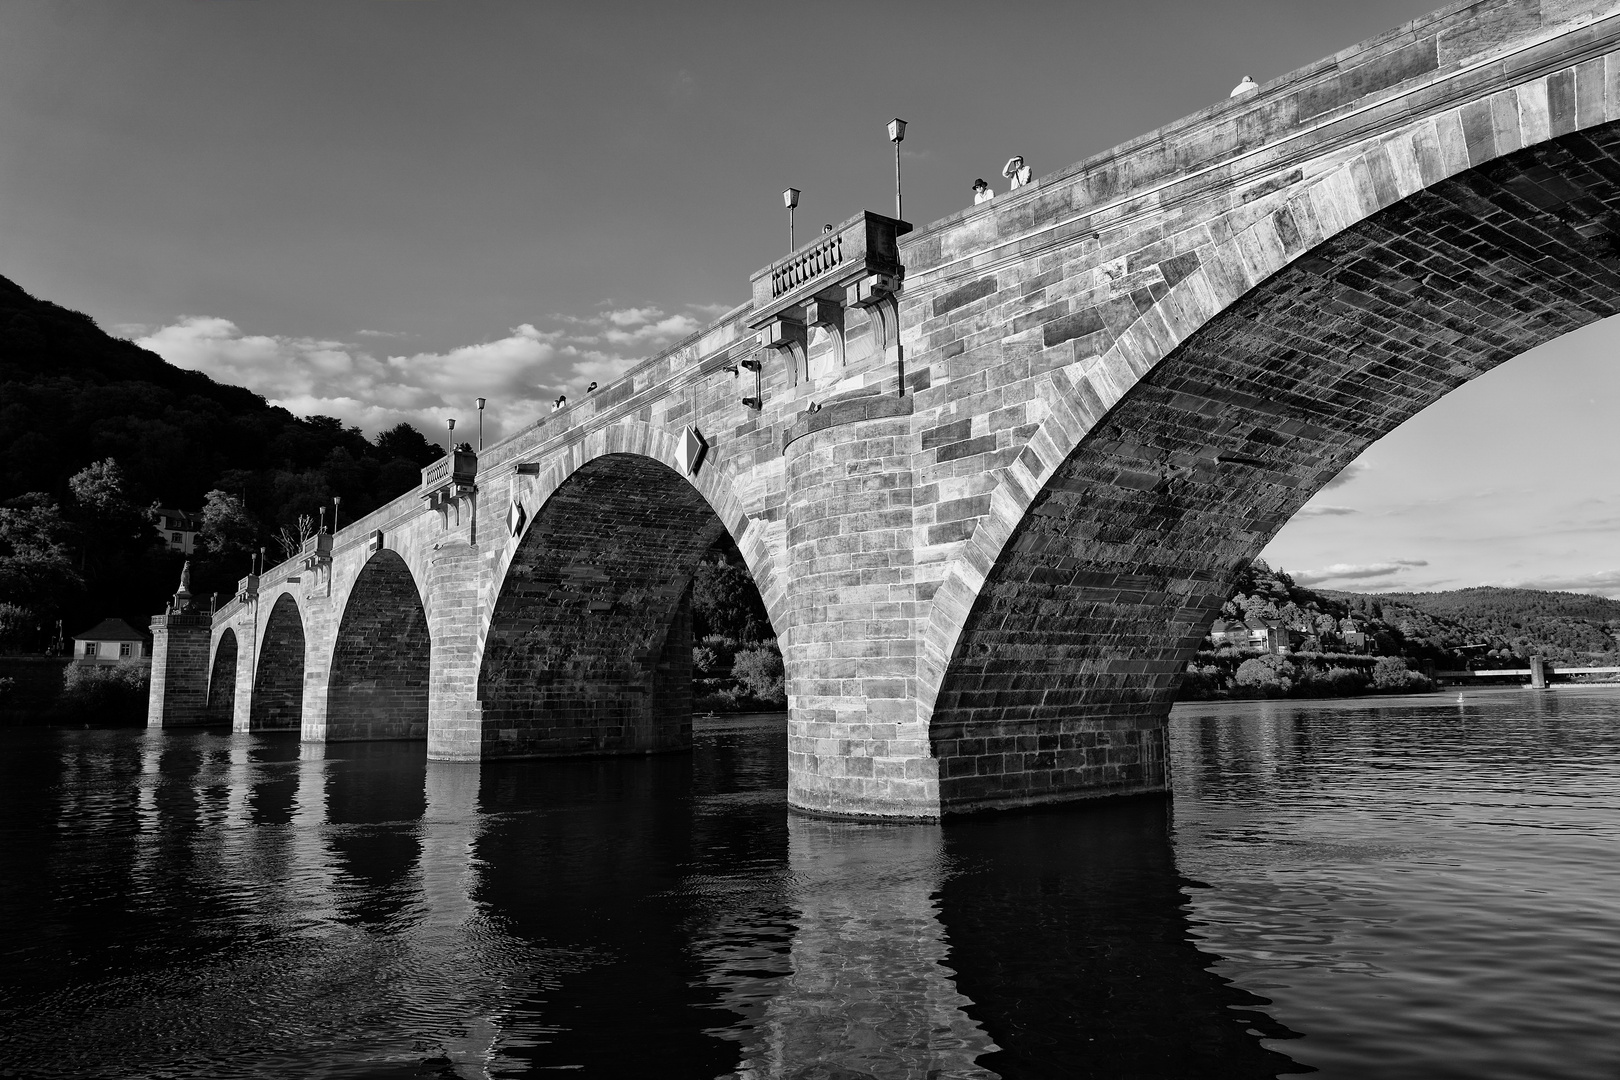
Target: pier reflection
point(1069, 933)
point(865, 991)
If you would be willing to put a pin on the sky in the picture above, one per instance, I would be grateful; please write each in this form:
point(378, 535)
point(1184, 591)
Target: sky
point(382, 209)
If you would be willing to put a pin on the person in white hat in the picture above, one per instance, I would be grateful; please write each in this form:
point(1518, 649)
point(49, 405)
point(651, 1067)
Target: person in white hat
point(1016, 171)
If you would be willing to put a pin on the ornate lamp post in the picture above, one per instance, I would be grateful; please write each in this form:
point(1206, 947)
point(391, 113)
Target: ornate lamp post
point(897, 132)
point(790, 199)
point(449, 438)
point(481, 425)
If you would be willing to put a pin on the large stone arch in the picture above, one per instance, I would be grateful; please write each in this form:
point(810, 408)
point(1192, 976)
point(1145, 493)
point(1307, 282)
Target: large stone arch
point(1169, 458)
point(715, 481)
point(222, 679)
point(377, 687)
point(277, 703)
point(588, 647)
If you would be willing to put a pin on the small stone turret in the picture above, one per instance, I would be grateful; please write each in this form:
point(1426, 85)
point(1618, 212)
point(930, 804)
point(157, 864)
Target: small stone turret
point(180, 641)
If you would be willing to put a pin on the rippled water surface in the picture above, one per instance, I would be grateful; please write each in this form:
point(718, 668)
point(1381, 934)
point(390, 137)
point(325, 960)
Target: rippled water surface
point(1400, 888)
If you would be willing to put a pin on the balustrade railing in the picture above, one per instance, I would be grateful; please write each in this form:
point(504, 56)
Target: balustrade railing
point(824, 256)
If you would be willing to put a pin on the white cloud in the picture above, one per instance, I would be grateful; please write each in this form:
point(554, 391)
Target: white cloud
point(1360, 572)
point(520, 372)
point(1326, 511)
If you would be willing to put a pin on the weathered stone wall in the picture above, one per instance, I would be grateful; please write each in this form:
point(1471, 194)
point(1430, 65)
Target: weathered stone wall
point(1196, 390)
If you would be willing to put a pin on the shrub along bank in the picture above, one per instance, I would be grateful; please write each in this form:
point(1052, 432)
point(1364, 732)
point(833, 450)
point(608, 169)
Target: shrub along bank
point(1251, 673)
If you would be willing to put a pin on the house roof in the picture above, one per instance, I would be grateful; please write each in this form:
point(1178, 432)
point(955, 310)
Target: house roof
point(111, 630)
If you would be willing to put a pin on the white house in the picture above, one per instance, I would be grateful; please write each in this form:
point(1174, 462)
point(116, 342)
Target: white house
point(111, 639)
point(178, 529)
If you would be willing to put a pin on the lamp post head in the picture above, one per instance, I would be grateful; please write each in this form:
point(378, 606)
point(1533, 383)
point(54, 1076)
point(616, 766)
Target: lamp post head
point(449, 425)
point(790, 197)
point(897, 129)
point(481, 404)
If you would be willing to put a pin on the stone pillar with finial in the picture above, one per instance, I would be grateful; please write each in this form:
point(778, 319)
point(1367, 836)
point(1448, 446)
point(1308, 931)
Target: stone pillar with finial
point(180, 643)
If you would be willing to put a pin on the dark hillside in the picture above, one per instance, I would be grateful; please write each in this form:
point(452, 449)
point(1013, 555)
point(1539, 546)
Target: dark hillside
point(76, 545)
point(1564, 626)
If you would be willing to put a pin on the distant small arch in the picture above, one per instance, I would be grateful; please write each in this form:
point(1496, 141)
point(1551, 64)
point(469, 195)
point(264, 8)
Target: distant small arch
point(278, 687)
point(221, 705)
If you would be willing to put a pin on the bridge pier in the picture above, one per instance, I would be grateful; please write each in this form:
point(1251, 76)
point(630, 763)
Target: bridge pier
point(181, 662)
point(857, 743)
point(247, 659)
point(457, 580)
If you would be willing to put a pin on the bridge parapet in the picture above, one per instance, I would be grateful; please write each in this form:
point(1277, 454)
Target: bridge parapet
point(451, 477)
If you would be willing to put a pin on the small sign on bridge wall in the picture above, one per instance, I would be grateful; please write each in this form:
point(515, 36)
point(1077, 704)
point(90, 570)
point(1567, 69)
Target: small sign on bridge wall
point(693, 447)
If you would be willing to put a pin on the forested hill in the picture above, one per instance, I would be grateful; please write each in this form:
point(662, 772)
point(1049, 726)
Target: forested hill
point(71, 394)
point(1483, 626)
point(76, 542)
point(1566, 626)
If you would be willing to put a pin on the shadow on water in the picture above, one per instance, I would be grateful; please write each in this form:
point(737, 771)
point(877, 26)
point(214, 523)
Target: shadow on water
point(1069, 932)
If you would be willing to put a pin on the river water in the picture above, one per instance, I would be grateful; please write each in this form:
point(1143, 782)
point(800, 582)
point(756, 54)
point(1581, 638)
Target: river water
point(1416, 887)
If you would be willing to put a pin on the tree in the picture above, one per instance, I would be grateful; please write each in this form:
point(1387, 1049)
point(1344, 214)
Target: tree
point(291, 537)
point(725, 601)
point(402, 441)
point(113, 529)
point(17, 625)
point(759, 672)
point(227, 528)
point(36, 569)
point(1268, 676)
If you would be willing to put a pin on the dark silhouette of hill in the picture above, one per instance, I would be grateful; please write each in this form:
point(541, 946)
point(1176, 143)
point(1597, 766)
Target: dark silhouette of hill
point(72, 395)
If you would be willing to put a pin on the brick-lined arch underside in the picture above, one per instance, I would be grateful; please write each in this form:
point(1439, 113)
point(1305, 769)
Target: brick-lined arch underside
point(278, 690)
point(589, 648)
point(379, 683)
point(1070, 655)
point(222, 680)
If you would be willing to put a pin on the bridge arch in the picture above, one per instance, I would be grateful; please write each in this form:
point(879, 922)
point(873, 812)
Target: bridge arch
point(377, 686)
point(1171, 456)
point(278, 685)
point(588, 649)
point(222, 679)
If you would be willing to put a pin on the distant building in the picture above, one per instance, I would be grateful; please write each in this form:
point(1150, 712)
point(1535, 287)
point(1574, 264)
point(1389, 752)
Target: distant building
point(179, 529)
point(1272, 637)
point(110, 640)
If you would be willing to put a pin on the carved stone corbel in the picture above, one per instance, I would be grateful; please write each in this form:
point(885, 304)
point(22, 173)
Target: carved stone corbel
point(788, 334)
point(829, 315)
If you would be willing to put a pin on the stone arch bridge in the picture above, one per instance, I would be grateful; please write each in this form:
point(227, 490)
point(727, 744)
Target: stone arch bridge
point(994, 477)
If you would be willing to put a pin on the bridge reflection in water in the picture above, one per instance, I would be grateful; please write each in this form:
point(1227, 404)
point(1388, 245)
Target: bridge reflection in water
point(359, 910)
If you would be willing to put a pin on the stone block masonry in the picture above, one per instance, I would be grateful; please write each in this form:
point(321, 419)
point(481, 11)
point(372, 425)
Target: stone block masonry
point(993, 476)
point(180, 670)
